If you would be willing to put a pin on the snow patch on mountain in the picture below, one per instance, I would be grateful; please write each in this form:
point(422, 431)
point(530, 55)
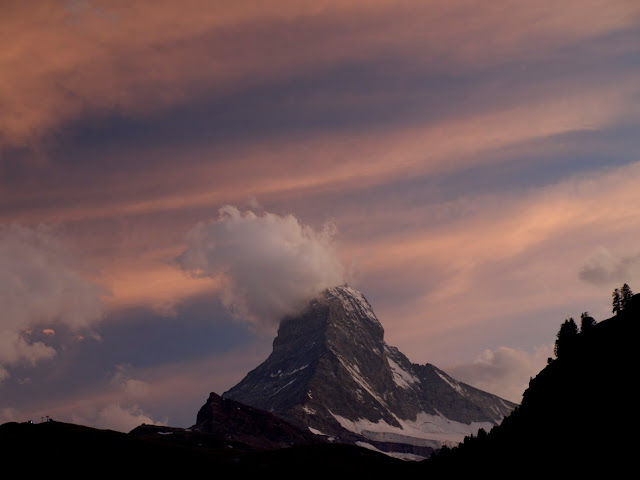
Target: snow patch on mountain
point(400, 376)
point(454, 384)
point(283, 387)
point(499, 414)
point(279, 373)
point(354, 371)
point(308, 410)
point(401, 456)
point(425, 430)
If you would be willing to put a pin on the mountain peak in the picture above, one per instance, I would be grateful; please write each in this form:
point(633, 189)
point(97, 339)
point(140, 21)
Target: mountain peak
point(332, 373)
point(353, 302)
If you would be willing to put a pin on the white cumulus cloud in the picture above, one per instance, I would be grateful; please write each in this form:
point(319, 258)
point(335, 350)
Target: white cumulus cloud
point(269, 264)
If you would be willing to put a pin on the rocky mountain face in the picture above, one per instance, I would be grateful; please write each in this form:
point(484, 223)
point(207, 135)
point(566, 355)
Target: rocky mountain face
point(332, 373)
point(246, 427)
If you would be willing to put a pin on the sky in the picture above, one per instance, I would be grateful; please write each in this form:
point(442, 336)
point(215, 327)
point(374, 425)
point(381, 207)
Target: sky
point(176, 176)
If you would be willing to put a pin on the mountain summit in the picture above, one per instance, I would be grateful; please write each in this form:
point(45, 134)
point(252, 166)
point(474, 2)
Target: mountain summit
point(332, 373)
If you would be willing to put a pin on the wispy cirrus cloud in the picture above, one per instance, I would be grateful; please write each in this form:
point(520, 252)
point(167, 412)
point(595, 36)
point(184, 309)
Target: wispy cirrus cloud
point(507, 255)
point(124, 58)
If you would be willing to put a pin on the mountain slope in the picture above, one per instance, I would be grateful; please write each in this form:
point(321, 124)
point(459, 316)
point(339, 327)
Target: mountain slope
point(578, 414)
point(331, 372)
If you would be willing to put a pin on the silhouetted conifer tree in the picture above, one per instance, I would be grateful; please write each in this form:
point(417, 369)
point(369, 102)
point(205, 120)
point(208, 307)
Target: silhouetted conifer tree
point(586, 321)
point(617, 301)
point(567, 333)
point(625, 296)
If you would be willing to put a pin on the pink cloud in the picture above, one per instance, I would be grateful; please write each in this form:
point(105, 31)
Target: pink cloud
point(504, 371)
point(64, 62)
point(41, 284)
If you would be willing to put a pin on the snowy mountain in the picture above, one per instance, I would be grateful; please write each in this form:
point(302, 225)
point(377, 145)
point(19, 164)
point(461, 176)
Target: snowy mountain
point(332, 373)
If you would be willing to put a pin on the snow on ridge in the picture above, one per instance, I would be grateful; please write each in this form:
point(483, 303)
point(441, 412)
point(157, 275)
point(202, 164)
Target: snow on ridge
point(321, 434)
point(354, 371)
point(505, 404)
point(353, 301)
point(368, 446)
point(426, 428)
point(452, 383)
point(499, 415)
point(280, 374)
point(282, 388)
point(400, 376)
point(315, 431)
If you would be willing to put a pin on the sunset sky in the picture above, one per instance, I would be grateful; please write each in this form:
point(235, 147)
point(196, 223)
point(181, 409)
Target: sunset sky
point(177, 175)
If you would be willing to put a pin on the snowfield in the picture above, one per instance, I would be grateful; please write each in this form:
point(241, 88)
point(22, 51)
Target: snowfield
point(425, 430)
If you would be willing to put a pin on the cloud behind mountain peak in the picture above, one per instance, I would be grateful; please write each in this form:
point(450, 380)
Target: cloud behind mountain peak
point(269, 264)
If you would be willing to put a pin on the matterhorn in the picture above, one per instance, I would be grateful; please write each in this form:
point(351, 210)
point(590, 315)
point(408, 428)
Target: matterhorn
point(332, 374)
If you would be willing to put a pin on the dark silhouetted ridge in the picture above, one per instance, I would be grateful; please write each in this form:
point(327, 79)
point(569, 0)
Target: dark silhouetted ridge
point(578, 414)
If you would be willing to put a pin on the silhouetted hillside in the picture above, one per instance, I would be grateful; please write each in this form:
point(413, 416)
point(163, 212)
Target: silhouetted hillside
point(78, 451)
point(149, 451)
point(578, 414)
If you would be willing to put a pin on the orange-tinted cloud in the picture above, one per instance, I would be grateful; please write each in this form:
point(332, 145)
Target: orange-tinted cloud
point(507, 255)
point(326, 162)
point(156, 285)
point(65, 61)
point(41, 283)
